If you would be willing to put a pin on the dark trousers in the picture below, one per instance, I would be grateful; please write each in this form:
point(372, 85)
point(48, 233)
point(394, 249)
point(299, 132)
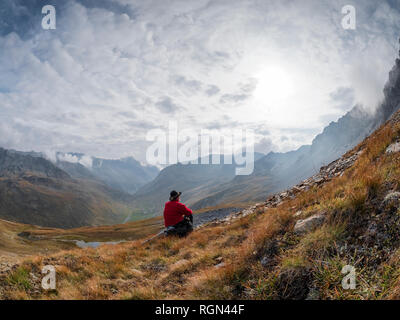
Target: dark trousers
point(183, 228)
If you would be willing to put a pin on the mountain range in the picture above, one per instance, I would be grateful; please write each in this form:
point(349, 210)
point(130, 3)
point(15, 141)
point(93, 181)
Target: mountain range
point(214, 185)
point(35, 190)
point(126, 174)
point(277, 171)
point(194, 180)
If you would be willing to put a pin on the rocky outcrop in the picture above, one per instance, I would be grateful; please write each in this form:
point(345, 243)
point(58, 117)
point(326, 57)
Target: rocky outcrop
point(306, 225)
point(391, 92)
point(392, 199)
point(326, 174)
point(213, 215)
point(393, 148)
point(241, 214)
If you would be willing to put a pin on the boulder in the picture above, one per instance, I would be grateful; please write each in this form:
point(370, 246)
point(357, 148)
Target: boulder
point(298, 213)
point(305, 225)
point(266, 261)
point(393, 148)
point(392, 199)
point(220, 265)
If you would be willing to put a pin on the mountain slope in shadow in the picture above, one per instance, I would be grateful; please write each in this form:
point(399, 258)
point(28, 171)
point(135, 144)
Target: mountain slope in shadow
point(126, 174)
point(35, 191)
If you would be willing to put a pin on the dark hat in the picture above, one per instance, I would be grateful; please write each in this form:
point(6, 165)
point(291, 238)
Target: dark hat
point(173, 195)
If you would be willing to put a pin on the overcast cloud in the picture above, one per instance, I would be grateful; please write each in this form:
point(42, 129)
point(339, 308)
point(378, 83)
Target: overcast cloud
point(112, 70)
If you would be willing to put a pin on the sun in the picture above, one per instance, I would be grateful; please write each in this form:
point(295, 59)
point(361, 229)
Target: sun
point(274, 85)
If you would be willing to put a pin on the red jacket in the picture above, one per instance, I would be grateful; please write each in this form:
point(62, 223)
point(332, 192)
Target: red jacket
point(174, 212)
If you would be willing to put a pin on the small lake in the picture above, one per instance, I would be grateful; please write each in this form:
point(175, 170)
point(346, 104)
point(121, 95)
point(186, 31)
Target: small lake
point(93, 244)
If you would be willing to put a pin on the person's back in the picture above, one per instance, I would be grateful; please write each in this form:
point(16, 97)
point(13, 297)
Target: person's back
point(178, 218)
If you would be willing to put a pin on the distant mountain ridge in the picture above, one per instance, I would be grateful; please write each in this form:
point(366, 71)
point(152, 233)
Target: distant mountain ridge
point(272, 172)
point(193, 179)
point(14, 163)
point(126, 174)
point(278, 171)
point(34, 190)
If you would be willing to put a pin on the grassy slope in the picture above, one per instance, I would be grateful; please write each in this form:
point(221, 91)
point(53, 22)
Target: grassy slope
point(59, 203)
point(298, 266)
point(42, 240)
point(128, 231)
point(13, 248)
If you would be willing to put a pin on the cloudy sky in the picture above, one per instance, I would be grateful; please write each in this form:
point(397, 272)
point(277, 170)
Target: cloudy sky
point(115, 69)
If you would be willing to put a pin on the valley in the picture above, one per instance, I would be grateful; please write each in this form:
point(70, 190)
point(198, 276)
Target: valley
point(21, 240)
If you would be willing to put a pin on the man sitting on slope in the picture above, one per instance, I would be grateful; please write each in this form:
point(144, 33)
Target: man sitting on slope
point(178, 218)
